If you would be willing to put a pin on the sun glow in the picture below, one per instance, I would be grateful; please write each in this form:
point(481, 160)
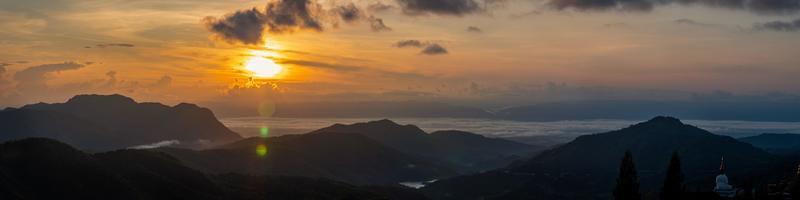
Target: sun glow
point(262, 67)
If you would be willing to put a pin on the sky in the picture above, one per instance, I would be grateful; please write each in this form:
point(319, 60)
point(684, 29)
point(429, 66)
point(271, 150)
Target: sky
point(484, 53)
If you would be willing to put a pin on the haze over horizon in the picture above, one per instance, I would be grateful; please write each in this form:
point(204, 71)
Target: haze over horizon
point(486, 54)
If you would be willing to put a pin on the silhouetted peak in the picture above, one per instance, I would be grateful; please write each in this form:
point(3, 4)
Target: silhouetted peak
point(457, 133)
point(186, 106)
point(661, 121)
point(100, 99)
point(375, 127)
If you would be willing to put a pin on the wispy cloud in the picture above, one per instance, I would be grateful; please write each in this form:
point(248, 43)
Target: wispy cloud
point(428, 48)
point(164, 143)
point(782, 26)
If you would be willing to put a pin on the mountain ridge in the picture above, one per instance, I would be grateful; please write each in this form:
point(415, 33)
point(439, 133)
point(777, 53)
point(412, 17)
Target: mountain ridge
point(105, 122)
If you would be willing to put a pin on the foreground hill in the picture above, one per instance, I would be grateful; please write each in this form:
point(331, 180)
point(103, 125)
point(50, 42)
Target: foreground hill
point(347, 157)
point(586, 167)
point(48, 169)
point(113, 121)
point(465, 151)
point(778, 143)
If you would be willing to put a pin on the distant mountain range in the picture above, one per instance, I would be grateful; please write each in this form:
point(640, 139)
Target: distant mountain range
point(47, 169)
point(783, 111)
point(358, 109)
point(377, 152)
point(355, 161)
point(587, 165)
point(465, 151)
point(104, 122)
point(778, 143)
point(348, 157)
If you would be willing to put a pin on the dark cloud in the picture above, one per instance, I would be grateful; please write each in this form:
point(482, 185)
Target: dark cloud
point(410, 43)
point(245, 26)
point(284, 16)
point(377, 25)
point(349, 12)
point(428, 48)
point(782, 26)
point(691, 22)
point(248, 26)
point(35, 77)
point(3, 68)
point(114, 45)
point(474, 29)
point(440, 7)
point(756, 6)
point(434, 49)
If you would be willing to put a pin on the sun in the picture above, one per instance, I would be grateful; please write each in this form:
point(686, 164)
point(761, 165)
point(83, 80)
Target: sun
point(262, 67)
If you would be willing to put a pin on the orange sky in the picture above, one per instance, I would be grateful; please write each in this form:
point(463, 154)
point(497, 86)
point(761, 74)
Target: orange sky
point(158, 50)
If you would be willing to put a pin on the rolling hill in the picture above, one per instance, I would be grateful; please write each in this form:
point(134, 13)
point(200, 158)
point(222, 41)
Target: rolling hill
point(105, 122)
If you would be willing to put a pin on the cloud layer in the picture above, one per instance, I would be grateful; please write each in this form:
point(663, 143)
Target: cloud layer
point(285, 16)
point(756, 6)
point(783, 26)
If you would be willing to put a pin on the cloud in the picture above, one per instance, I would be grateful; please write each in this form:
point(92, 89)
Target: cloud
point(690, 22)
point(164, 81)
point(35, 77)
point(379, 7)
point(410, 43)
point(164, 143)
point(245, 26)
point(350, 68)
point(114, 45)
point(781, 26)
point(434, 49)
point(284, 16)
point(443, 7)
point(428, 48)
point(473, 29)
point(377, 25)
point(755, 6)
point(112, 79)
point(349, 12)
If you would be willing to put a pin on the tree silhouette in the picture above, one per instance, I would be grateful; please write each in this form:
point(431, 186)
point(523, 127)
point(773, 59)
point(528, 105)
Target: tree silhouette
point(673, 182)
point(794, 185)
point(627, 183)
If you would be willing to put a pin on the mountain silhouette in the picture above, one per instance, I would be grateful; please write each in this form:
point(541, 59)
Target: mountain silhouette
point(105, 122)
point(587, 165)
point(467, 152)
point(348, 157)
point(778, 143)
point(39, 168)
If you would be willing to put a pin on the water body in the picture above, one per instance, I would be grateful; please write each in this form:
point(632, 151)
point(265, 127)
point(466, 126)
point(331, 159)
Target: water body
point(529, 132)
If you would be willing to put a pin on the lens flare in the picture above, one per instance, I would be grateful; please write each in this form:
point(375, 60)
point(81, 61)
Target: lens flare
point(266, 108)
point(261, 150)
point(264, 131)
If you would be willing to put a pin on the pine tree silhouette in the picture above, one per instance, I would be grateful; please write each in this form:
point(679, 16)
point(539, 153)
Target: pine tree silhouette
point(627, 183)
point(794, 185)
point(673, 182)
